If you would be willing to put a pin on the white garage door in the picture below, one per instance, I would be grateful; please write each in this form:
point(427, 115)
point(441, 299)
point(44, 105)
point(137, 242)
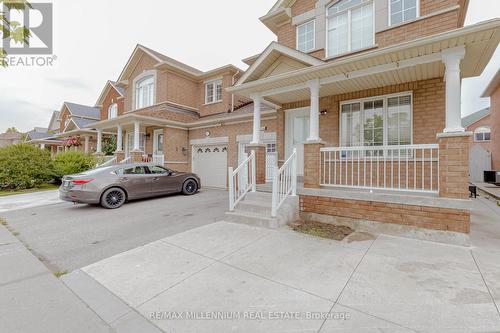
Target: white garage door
point(210, 163)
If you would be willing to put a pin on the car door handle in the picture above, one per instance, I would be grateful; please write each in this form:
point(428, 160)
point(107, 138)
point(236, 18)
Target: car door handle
point(124, 179)
point(155, 179)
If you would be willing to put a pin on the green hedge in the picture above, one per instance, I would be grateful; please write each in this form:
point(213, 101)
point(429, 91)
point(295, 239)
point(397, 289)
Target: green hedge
point(24, 166)
point(72, 162)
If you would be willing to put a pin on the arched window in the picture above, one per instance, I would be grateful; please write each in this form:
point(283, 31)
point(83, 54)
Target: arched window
point(144, 92)
point(349, 26)
point(113, 111)
point(482, 134)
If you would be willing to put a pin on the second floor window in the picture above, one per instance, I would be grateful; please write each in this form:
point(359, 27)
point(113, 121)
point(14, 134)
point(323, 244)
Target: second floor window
point(305, 36)
point(403, 10)
point(350, 26)
point(144, 92)
point(213, 92)
point(113, 111)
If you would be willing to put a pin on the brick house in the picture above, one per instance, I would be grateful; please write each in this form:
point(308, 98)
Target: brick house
point(369, 98)
point(8, 139)
point(493, 92)
point(480, 154)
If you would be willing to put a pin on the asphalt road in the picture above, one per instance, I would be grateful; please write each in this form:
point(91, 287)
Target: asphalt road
point(66, 236)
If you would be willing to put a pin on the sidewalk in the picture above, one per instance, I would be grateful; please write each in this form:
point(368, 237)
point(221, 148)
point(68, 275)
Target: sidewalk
point(28, 200)
point(33, 300)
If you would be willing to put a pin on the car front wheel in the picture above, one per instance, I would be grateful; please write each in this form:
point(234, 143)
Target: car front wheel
point(190, 187)
point(113, 198)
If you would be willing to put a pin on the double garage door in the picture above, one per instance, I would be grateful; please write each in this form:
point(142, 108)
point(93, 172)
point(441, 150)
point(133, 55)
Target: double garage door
point(210, 163)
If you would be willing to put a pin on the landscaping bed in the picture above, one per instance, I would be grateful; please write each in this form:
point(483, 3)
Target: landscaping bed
point(323, 230)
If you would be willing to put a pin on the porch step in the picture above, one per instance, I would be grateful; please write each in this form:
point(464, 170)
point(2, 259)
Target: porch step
point(255, 209)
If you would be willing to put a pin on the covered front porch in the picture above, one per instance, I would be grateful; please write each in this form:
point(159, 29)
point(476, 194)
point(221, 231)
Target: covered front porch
point(377, 125)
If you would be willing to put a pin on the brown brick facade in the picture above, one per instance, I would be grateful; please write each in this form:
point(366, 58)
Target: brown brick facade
point(454, 166)
point(112, 97)
point(495, 129)
point(446, 219)
point(311, 167)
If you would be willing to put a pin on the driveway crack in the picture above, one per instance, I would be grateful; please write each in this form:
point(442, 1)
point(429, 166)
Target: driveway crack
point(485, 283)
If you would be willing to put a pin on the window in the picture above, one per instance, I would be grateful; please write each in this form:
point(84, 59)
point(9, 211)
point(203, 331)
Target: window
point(350, 26)
point(157, 170)
point(482, 134)
point(113, 111)
point(213, 92)
point(305, 36)
point(381, 121)
point(402, 11)
point(138, 170)
point(144, 92)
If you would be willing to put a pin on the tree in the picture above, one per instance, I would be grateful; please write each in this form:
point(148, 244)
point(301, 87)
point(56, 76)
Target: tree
point(12, 130)
point(109, 145)
point(12, 29)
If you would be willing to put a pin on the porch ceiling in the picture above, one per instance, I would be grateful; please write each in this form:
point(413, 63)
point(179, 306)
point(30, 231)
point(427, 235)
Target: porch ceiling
point(415, 60)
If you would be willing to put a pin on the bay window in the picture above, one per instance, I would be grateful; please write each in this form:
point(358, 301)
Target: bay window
point(306, 36)
point(350, 26)
point(402, 10)
point(380, 121)
point(144, 92)
point(213, 91)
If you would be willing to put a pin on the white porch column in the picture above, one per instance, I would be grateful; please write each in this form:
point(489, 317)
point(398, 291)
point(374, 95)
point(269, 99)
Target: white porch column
point(137, 130)
point(119, 138)
point(42, 146)
point(99, 141)
point(87, 142)
point(257, 99)
point(452, 58)
point(314, 111)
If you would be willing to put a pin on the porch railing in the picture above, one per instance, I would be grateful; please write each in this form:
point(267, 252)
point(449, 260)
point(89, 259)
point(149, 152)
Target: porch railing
point(158, 159)
point(401, 168)
point(241, 180)
point(284, 182)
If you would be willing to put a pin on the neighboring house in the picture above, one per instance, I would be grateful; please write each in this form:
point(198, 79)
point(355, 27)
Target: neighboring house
point(8, 139)
point(479, 124)
point(493, 91)
point(369, 95)
point(44, 137)
point(173, 114)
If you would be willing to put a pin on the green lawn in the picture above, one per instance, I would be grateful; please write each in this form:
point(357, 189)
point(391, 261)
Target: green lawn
point(43, 187)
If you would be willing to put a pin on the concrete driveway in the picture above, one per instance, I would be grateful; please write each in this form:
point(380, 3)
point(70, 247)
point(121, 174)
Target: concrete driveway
point(226, 277)
point(67, 236)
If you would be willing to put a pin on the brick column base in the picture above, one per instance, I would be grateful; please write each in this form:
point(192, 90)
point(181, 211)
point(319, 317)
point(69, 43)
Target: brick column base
point(120, 156)
point(136, 156)
point(454, 165)
point(260, 161)
point(312, 163)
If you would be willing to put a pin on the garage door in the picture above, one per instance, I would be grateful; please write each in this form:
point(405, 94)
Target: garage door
point(210, 163)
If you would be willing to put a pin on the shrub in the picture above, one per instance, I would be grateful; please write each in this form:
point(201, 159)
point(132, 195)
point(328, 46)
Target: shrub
point(72, 162)
point(24, 166)
point(109, 145)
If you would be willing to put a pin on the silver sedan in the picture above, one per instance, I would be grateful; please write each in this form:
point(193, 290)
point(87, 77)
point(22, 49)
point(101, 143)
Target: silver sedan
point(112, 186)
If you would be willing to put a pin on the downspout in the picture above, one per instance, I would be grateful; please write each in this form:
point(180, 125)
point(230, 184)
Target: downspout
point(232, 95)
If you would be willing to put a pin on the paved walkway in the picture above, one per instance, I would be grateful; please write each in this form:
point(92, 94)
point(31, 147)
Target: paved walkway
point(264, 280)
point(34, 300)
point(28, 200)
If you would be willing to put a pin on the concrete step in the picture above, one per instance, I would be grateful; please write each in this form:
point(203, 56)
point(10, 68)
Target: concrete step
point(265, 197)
point(253, 219)
point(252, 206)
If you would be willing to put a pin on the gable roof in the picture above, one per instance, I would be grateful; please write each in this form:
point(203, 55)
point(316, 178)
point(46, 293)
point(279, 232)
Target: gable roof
point(54, 120)
point(493, 85)
point(11, 136)
point(270, 55)
point(109, 85)
point(475, 117)
point(83, 110)
point(36, 134)
point(81, 122)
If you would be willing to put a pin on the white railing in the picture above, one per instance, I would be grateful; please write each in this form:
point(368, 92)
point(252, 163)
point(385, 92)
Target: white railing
point(158, 159)
point(110, 161)
point(241, 180)
point(126, 160)
point(284, 182)
point(399, 168)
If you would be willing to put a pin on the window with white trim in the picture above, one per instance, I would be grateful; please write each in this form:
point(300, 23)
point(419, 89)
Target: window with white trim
point(350, 26)
point(213, 91)
point(306, 36)
point(379, 121)
point(482, 134)
point(144, 92)
point(113, 111)
point(402, 11)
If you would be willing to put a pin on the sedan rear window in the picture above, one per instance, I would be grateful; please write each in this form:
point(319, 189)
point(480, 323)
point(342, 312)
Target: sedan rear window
point(138, 170)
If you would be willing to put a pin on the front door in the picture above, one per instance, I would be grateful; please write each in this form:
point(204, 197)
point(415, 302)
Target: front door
point(297, 132)
point(158, 142)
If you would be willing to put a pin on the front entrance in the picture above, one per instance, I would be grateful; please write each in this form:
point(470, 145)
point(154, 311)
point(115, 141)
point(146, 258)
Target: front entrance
point(271, 156)
point(296, 134)
point(158, 138)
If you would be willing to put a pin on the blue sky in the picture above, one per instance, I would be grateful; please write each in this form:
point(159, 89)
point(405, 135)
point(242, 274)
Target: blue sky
point(89, 52)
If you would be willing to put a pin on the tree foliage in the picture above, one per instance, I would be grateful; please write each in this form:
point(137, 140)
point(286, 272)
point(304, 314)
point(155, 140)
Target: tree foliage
point(109, 145)
point(11, 130)
point(24, 166)
point(12, 29)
